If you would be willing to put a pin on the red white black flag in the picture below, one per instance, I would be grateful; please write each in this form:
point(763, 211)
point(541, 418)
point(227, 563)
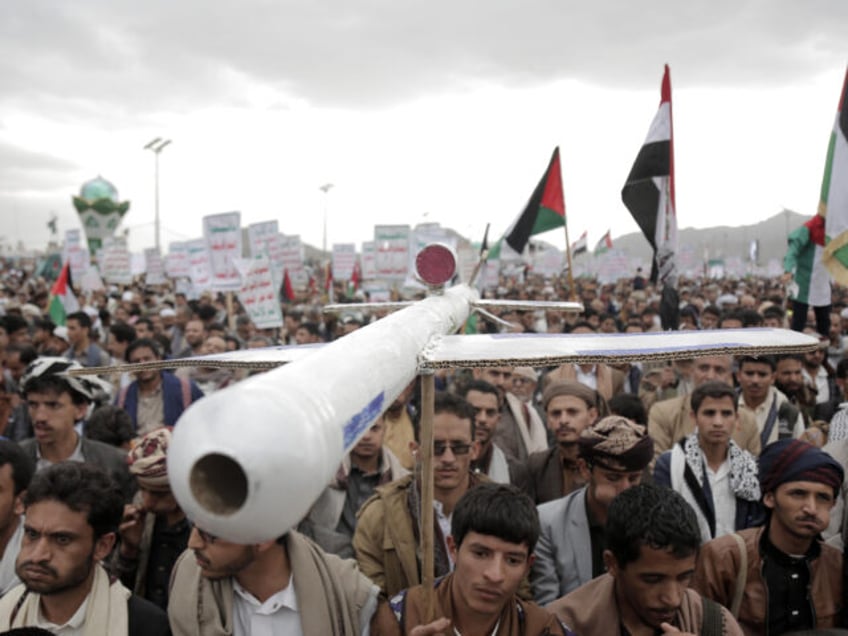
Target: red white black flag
point(649, 195)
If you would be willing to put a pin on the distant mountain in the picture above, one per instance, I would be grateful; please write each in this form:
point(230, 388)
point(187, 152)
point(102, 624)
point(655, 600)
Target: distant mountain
point(713, 242)
point(724, 241)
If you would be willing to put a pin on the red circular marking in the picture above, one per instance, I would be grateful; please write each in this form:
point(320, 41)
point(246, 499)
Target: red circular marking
point(436, 264)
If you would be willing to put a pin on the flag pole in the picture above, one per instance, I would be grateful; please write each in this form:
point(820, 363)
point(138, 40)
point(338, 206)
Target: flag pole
point(572, 293)
point(428, 394)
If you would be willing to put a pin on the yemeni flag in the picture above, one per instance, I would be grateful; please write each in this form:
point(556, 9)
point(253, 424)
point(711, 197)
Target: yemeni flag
point(833, 202)
point(581, 245)
point(604, 245)
point(544, 211)
point(288, 289)
point(63, 301)
point(649, 195)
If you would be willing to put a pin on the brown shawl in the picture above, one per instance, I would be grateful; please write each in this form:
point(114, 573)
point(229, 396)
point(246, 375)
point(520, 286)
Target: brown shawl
point(518, 618)
point(333, 597)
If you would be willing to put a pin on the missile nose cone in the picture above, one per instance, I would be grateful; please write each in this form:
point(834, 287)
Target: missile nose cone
point(219, 484)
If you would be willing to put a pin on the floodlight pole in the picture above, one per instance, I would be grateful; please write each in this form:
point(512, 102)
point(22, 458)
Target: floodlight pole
point(326, 190)
point(156, 146)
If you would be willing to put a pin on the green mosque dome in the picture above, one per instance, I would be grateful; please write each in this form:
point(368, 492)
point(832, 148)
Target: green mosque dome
point(99, 188)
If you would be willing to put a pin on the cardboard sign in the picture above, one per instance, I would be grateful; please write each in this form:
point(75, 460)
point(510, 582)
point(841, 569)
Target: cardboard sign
point(222, 235)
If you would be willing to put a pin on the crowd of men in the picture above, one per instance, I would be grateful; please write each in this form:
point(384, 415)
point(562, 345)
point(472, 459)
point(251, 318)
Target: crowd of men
point(702, 496)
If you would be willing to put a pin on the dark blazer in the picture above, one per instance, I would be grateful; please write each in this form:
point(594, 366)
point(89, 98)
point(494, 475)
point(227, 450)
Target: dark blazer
point(145, 619)
point(546, 476)
point(111, 459)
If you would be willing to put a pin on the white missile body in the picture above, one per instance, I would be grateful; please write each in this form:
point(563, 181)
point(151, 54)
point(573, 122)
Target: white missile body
point(247, 462)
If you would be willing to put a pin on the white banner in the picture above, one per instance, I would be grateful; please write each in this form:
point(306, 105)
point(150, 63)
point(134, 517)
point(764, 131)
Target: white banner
point(176, 262)
point(612, 265)
point(392, 256)
point(548, 263)
point(116, 265)
point(137, 263)
point(199, 269)
point(154, 267)
point(258, 295)
point(222, 234)
point(467, 257)
point(76, 254)
point(369, 264)
point(291, 259)
point(258, 235)
point(491, 275)
point(91, 280)
point(344, 260)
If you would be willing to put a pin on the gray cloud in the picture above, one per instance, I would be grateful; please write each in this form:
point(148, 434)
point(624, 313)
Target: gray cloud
point(117, 59)
point(24, 170)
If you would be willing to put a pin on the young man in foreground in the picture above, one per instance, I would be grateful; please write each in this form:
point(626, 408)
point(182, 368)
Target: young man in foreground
point(792, 581)
point(493, 532)
point(652, 541)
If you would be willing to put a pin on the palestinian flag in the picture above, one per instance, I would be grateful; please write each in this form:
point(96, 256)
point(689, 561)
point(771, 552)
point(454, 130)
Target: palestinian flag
point(803, 259)
point(544, 211)
point(581, 245)
point(63, 301)
point(833, 202)
point(604, 245)
point(649, 196)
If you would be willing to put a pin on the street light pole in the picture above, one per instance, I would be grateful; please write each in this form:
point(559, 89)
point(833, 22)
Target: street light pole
point(326, 190)
point(156, 146)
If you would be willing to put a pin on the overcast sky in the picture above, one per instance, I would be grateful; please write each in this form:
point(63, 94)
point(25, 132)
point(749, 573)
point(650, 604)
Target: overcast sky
point(415, 111)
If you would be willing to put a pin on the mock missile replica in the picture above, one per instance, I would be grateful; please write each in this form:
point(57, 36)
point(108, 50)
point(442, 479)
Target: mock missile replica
point(247, 462)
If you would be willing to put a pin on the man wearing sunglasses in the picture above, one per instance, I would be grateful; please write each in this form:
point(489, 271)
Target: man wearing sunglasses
point(491, 460)
point(387, 536)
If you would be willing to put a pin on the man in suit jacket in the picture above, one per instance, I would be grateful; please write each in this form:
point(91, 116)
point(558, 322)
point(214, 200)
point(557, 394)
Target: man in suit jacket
point(56, 403)
point(570, 407)
point(613, 455)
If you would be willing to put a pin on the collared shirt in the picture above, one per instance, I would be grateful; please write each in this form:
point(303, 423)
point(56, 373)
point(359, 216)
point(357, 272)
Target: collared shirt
point(724, 499)
point(821, 384)
point(590, 379)
point(151, 412)
point(76, 456)
point(8, 577)
point(74, 626)
point(787, 579)
point(279, 614)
